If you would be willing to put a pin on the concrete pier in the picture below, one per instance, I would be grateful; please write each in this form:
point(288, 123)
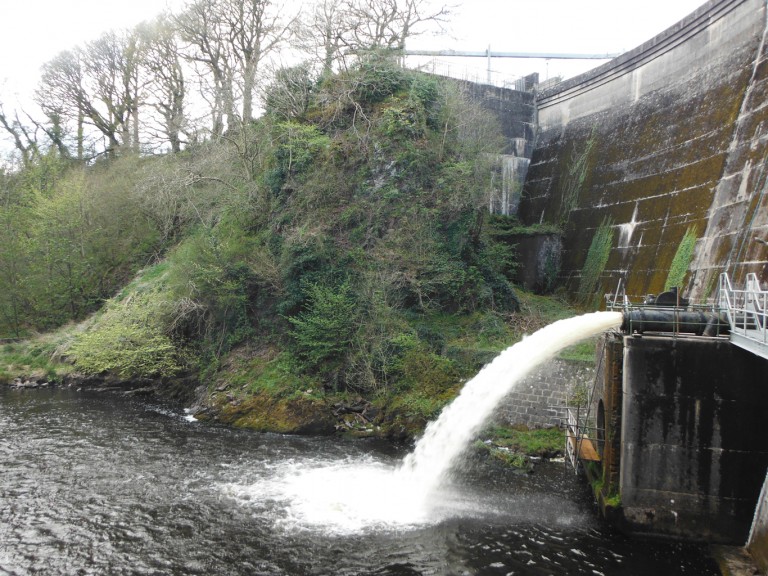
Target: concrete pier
point(684, 448)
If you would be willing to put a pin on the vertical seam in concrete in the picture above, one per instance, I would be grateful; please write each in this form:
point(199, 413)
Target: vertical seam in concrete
point(751, 83)
point(764, 489)
point(735, 133)
point(758, 509)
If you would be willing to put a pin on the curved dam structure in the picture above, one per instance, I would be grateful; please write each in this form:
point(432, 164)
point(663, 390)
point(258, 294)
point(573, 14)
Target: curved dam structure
point(656, 160)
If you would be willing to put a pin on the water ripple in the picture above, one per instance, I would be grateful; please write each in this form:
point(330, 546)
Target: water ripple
point(99, 484)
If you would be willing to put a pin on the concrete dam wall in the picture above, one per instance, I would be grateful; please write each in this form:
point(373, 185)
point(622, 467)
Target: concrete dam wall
point(656, 161)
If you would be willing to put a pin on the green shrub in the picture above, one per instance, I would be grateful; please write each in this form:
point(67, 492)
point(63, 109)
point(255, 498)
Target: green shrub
point(597, 257)
point(130, 340)
point(297, 145)
point(323, 331)
point(403, 119)
point(679, 267)
point(425, 88)
point(574, 179)
point(377, 76)
point(288, 95)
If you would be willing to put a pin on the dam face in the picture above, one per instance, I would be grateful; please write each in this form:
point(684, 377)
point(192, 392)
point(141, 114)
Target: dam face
point(662, 147)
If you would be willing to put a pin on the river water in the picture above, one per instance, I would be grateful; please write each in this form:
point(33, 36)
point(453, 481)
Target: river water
point(97, 483)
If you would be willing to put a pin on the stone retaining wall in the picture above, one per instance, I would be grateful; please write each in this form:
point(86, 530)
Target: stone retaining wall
point(539, 401)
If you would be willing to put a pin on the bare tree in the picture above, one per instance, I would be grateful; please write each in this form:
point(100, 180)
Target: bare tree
point(56, 132)
point(111, 63)
point(230, 39)
point(24, 138)
point(389, 23)
point(201, 28)
point(324, 32)
point(166, 86)
point(256, 29)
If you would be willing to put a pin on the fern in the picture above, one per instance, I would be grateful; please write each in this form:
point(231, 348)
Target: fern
point(682, 260)
point(597, 257)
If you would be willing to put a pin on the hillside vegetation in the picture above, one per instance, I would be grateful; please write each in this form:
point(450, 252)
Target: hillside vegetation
point(335, 256)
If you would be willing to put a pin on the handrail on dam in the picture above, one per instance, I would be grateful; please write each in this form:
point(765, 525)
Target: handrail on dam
point(747, 313)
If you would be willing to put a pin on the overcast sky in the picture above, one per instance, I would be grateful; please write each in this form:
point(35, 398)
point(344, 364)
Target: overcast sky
point(34, 31)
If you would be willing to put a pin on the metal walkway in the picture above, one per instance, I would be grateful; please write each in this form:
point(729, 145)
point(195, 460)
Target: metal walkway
point(747, 312)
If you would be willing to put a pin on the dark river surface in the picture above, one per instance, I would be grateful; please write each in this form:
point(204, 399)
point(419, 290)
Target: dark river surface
point(96, 483)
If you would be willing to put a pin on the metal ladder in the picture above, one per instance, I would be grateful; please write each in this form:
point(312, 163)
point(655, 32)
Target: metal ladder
point(579, 445)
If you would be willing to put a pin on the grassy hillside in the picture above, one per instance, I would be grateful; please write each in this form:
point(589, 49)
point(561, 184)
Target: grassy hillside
point(331, 265)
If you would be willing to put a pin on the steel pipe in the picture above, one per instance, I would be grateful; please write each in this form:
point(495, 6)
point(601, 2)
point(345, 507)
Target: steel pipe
point(657, 319)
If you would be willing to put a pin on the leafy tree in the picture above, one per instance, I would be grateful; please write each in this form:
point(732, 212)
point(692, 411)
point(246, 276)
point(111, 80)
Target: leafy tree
point(98, 84)
point(324, 330)
point(14, 257)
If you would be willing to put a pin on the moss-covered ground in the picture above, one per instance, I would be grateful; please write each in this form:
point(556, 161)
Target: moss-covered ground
point(519, 446)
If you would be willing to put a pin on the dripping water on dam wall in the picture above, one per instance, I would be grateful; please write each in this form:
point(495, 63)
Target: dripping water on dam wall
point(510, 170)
point(97, 484)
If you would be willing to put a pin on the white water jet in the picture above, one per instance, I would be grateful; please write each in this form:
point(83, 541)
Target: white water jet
point(349, 496)
point(445, 438)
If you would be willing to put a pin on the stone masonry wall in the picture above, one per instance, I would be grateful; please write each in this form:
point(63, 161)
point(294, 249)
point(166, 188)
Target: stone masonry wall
point(539, 400)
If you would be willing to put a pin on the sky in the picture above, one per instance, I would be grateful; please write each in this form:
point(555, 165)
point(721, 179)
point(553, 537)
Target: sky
point(34, 31)
point(553, 26)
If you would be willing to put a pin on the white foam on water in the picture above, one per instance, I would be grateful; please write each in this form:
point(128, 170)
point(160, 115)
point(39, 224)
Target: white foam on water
point(343, 497)
point(348, 496)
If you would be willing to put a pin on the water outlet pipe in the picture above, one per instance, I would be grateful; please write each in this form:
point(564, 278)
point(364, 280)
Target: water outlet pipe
point(673, 320)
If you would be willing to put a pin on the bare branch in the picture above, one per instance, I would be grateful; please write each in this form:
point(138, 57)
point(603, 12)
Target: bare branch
point(24, 141)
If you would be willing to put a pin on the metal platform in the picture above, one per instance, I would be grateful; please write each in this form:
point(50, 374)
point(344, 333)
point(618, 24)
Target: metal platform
point(747, 312)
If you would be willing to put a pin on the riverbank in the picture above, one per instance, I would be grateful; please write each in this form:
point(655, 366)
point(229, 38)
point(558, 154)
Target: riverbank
point(256, 387)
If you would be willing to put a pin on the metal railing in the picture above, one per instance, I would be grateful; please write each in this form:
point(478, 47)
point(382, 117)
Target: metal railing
point(583, 438)
point(667, 313)
point(747, 313)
